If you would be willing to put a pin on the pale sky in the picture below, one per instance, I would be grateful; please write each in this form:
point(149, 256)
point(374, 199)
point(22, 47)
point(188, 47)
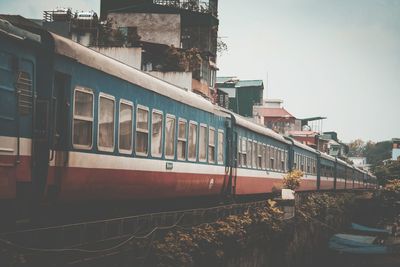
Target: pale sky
point(336, 58)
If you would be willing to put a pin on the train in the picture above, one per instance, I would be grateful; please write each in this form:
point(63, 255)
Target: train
point(76, 125)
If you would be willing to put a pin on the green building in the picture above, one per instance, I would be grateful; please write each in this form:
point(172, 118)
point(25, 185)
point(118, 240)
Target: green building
point(243, 94)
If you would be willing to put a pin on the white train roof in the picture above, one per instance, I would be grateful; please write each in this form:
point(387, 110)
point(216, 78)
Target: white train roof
point(255, 127)
point(96, 60)
point(18, 33)
point(303, 146)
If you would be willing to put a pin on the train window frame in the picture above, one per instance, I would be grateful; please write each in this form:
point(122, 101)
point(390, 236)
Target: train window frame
point(170, 116)
point(128, 103)
point(181, 139)
point(210, 145)
point(267, 155)
point(82, 118)
point(239, 151)
point(249, 150)
point(259, 156)
point(263, 163)
point(196, 124)
point(157, 155)
point(206, 141)
point(220, 143)
point(244, 152)
point(112, 98)
point(144, 108)
point(255, 154)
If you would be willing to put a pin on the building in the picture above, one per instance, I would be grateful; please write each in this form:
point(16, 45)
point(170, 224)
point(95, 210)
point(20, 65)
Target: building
point(396, 149)
point(360, 162)
point(177, 36)
point(275, 117)
point(242, 94)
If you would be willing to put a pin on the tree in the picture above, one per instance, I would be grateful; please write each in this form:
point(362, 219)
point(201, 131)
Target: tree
point(386, 172)
point(378, 152)
point(356, 148)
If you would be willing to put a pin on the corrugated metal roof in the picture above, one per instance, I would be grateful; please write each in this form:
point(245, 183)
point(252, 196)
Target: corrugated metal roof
point(226, 79)
point(250, 83)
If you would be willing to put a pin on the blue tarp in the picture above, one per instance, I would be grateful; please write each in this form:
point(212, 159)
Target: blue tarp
point(363, 228)
point(356, 244)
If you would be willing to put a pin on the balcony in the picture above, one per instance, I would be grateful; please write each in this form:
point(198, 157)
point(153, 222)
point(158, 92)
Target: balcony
point(208, 7)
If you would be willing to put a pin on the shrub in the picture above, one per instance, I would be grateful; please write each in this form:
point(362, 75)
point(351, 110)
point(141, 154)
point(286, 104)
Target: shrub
point(292, 179)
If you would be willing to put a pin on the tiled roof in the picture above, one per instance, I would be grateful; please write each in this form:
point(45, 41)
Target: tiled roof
point(274, 112)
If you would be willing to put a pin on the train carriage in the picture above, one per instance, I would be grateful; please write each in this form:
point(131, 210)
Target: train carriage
point(261, 158)
point(305, 159)
point(18, 71)
point(327, 172)
point(128, 135)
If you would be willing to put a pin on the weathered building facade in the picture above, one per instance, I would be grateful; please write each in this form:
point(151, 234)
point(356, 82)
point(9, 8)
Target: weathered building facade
point(188, 28)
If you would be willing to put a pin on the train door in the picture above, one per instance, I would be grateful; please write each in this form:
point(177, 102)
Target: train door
point(229, 187)
point(59, 133)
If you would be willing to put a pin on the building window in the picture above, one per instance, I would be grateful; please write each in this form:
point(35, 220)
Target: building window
point(203, 143)
point(125, 126)
point(170, 137)
point(156, 133)
point(142, 131)
point(83, 118)
point(182, 139)
point(220, 147)
point(211, 146)
point(192, 141)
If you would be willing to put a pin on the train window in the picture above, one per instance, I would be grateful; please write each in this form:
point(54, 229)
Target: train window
point(142, 131)
point(254, 155)
point(220, 147)
point(259, 156)
point(203, 143)
point(182, 139)
point(244, 152)
point(170, 137)
point(239, 149)
point(268, 157)
point(24, 87)
point(286, 160)
point(264, 151)
point(249, 147)
point(211, 146)
point(156, 133)
point(192, 149)
point(106, 122)
point(83, 118)
point(125, 126)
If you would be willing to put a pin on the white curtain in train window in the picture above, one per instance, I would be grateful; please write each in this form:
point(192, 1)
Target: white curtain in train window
point(254, 155)
point(192, 141)
point(142, 131)
point(106, 123)
point(182, 140)
point(83, 119)
point(169, 137)
point(156, 134)
point(220, 147)
point(211, 146)
point(203, 143)
point(125, 127)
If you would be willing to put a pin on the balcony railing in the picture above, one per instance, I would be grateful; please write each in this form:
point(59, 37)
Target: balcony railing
point(208, 7)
